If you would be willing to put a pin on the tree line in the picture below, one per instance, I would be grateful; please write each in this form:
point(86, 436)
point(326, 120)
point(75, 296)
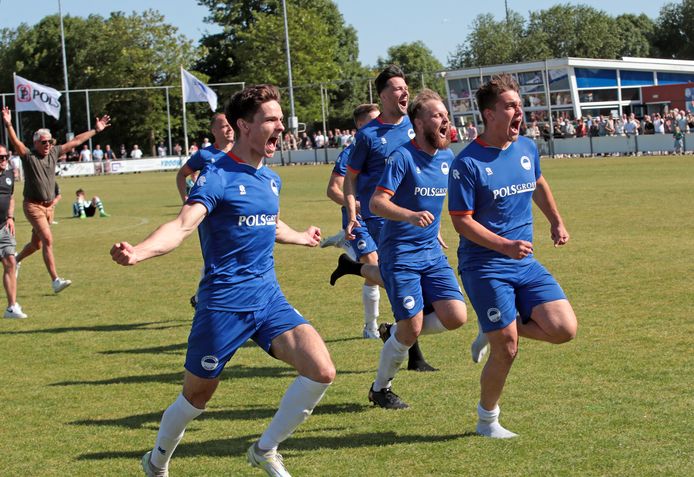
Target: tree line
point(141, 49)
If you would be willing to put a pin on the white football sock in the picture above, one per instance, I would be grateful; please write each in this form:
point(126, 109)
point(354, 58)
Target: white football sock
point(171, 430)
point(432, 325)
point(296, 405)
point(488, 424)
point(370, 296)
point(393, 354)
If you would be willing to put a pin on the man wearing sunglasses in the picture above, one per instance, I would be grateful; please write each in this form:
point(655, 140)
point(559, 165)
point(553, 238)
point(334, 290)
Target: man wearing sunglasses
point(39, 188)
point(7, 241)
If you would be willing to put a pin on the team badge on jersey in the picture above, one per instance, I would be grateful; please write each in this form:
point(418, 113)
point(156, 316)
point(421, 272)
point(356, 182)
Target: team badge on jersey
point(444, 168)
point(8, 181)
point(410, 133)
point(242, 189)
point(273, 186)
point(201, 181)
point(525, 162)
point(408, 302)
point(493, 315)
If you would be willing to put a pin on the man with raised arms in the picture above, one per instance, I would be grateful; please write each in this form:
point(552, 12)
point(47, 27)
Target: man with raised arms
point(223, 135)
point(235, 203)
point(372, 146)
point(362, 246)
point(492, 185)
point(410, 196)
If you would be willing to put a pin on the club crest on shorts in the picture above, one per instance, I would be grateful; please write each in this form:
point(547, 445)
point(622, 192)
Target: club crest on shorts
point(525, 163)
point(444, 168)
point(209, 363)
point(408, 302)
point(273, 186)
point(493, 315)
point(361, 245)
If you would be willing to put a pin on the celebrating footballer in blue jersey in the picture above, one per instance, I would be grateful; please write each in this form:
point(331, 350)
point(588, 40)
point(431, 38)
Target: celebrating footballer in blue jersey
point(373, 144)
point(410, 196)
point(235, 202)
point(223, 135)
point(492, 184)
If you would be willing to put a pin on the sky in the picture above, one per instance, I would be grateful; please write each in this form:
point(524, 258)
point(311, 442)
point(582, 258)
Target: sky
point(440, 24)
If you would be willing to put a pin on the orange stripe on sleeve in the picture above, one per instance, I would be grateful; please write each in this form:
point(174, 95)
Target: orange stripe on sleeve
point(353, 171)
point(387, 191)
point(461, 212)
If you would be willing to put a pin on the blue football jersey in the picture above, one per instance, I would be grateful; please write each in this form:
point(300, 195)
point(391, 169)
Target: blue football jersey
point(203, 157)
point(495, 186)
point(374, 143)
point(237, 236)
point(417, 181)
point(340, 168)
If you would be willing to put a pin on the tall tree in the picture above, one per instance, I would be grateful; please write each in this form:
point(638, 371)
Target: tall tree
point(118, 51)
point(418, 63)
point(251, 48)
point(636, 33)
point(674, 31)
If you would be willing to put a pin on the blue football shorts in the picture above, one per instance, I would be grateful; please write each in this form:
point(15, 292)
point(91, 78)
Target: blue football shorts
point(412, 286)
point(216, 335)
point(499, 293)
point(363, 244)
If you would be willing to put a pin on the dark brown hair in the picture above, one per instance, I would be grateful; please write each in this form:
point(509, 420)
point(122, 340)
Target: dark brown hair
point(244, 104)
point(362, 110)
point(489, 92)
point(390, 71)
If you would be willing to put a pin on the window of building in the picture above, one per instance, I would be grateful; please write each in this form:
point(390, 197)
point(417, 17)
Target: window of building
point(474, 84)
point(560, 98)
point(459, 89)
point(631, 94)
point(595, 78)
point(530, 78)
point(636, 78)
point(597, 95)
point(534, 100)
point(558, 80)
point(675, 78)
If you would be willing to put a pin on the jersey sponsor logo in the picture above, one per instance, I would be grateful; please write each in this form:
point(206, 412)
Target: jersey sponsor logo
point(493, 315)
point(430, 191)
point(489, 171)
point(273, 186)
point(209, 362)
point(410, 132)
point(456, 174)
point(514, 189)
point(361, 245)
point(242, 189)
point(408, 302)
point(201, 181)
point(444, 168)
point(525, 163)
point(257, 220)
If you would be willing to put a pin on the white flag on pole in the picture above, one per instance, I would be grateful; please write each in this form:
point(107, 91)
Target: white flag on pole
point(195, 91)
point(30, 96)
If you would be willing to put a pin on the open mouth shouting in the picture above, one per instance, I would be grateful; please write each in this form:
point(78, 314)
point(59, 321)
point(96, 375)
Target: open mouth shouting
point(271, 145)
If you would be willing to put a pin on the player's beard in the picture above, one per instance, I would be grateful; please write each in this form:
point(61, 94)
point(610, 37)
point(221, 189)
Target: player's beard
point(435, 140)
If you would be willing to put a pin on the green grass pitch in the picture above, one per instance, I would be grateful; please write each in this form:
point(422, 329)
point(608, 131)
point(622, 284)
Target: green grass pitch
point(86, 378)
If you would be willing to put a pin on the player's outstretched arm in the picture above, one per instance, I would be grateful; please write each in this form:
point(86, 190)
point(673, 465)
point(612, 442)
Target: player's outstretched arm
point(381, 204)
point(287, 235)
point(545, 201)
point(163, 240)
point(101, 123)
point(18, 145)
point(472, 230)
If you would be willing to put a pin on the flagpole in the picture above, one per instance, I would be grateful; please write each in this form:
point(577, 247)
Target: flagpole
point(70, 135)
point(185, 122)
point(16, 112)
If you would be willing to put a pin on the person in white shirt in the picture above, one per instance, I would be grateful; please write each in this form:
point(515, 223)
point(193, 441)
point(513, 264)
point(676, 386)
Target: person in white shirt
point(85, 154)
point(136, 153)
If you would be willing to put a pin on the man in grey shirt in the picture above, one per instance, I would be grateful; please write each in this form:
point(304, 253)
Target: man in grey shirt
point(39, 188)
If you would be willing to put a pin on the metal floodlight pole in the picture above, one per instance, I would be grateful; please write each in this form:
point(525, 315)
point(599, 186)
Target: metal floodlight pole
point(168, 119)
point(293, 121)
point(67, 89)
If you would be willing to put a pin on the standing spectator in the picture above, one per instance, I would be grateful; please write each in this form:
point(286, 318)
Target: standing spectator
point(39, 190)
point(193, 148)
point(648, 127)
point(136, 153)
point(454, 133)
point(581, 128)
point(320, 140)
point(85, 154)
point(205, 143)
point(678, 136)
point(123, 152)
point(97, 153)
point(108, 153)
point(533, 132)
point(347, 138)
point(7, 239)
point(161, 150)
point(471, 131)
point(619, 125)
point(658, 124)
point(178, 150)
point(16, 164)
point(568, 129)
point(332, 143)
point(631, 128)
point(305, 141)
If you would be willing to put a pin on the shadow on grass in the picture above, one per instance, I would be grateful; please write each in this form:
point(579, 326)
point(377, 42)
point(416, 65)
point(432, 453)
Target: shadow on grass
point(152, 419)
point(341, 340)
point(102, 328)
point(178, 348)
point(295, 446)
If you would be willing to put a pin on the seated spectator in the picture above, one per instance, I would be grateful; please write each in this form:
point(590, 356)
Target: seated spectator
point(82, 208)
